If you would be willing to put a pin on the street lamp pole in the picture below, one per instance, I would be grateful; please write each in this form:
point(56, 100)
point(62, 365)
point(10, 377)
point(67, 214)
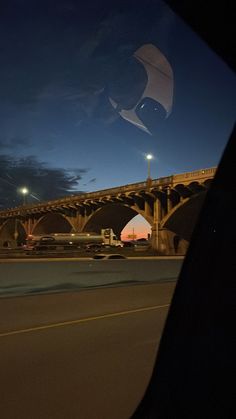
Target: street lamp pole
point(24, 192)
point(149, 158)
point(149, 169)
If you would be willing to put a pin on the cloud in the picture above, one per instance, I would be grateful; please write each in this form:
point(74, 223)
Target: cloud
point(76, 171)
point(43, 182)
point(15, 143)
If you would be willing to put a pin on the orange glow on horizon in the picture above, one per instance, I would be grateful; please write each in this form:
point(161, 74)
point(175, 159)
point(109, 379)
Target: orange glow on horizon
point(137, 226)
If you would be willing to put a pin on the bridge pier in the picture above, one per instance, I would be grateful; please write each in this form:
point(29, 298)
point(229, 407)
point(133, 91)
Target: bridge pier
point(29, 225)
point(169, 243)
point(169, 200)
point(76, 222)
point(12, 233)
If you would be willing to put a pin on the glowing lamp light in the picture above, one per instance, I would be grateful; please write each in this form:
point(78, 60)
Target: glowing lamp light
point(24, 190)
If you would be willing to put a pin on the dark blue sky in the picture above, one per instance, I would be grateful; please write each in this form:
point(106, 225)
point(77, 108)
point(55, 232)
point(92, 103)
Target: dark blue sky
point(61, 59)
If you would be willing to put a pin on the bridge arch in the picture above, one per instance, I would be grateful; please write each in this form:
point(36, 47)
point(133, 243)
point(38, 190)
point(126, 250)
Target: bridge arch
point(12, 233)
point(115, 216)
point(52, 223)
point(137, 228)
point(177, 226)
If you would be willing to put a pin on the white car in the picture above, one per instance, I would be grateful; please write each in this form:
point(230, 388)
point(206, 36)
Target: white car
point(110, 256)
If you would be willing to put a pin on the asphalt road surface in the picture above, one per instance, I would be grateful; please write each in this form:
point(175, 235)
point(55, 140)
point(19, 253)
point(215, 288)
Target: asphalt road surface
point(84, 354)
point(22, 277)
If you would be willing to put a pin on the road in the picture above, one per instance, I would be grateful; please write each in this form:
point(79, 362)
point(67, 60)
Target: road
point(20, 277)
point(84, 354)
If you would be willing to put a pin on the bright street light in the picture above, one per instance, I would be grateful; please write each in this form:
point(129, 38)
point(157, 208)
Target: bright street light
point(24, 192)
point(149, 157)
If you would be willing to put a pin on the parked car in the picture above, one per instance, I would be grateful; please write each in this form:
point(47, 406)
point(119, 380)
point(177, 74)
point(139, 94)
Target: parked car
point(128, 244)
point(111, 256)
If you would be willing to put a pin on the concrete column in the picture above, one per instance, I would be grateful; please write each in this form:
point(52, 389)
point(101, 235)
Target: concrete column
point(16, 234)
point(156, 223)
point(154, 237)
point(159, 208)
point(78, 222)
point(164, 203)
point(157, 214)
point(161, 204)
point(28, 226)
point(165, 242)
point(147, 209)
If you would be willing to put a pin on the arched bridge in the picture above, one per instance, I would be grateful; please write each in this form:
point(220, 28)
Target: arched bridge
point(170, 205)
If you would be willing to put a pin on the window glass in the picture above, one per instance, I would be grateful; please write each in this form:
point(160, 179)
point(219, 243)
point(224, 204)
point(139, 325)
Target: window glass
point(114, 116)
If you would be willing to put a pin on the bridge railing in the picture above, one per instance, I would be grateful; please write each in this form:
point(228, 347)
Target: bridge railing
point(195, 175)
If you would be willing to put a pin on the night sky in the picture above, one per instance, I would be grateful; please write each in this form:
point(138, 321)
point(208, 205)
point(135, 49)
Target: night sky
point(60, 62)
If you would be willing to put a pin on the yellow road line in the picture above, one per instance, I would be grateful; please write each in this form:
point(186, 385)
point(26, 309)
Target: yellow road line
point(78, 321)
